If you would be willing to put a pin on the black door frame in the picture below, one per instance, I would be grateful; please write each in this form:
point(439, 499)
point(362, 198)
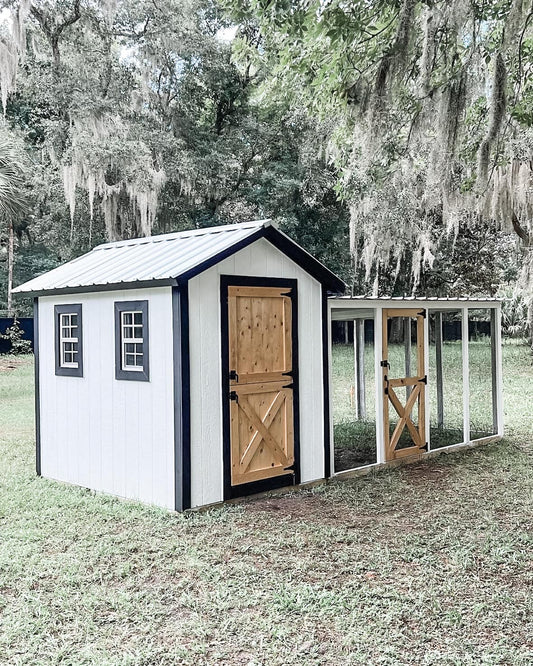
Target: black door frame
point(284, 480)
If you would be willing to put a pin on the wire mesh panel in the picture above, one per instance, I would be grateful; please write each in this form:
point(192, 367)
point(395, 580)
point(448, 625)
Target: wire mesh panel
point(445, 378)
point(353, 396)
point(482, 369)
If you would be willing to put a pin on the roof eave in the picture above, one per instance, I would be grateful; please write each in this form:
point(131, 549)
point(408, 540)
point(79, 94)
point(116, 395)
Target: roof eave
point(85, 289)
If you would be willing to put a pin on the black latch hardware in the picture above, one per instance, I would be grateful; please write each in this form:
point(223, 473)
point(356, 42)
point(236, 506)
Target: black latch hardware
point(385, 364)
point(422, 313)
point(233, 375)
point(233, 396)
point(424, 379)
point(287, 374)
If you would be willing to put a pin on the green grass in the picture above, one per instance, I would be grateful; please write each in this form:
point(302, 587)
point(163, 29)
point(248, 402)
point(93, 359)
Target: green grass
point(428, 564)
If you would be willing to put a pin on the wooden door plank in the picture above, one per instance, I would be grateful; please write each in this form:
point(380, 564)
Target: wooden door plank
point(287, 334)
point(260, 475)
point(259, 292)
point(263, 387)
point(232, 333)
point(403, 418)
point(404, 381)
point(256, 422)
point(399, 409)
point(403, 312)
point(257, 437)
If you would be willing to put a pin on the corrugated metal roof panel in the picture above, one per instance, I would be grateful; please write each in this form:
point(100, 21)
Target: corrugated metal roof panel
point(444, 299)
point(159, 258)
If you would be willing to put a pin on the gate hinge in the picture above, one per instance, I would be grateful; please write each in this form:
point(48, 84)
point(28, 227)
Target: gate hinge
point(422, 313)
point(287, 374)
point(424, 379)
point(291, 385)
point(233, 375)
point(425, 447)
point(233, 396)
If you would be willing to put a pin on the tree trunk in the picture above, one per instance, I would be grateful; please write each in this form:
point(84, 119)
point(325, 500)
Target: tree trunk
point(10, 258)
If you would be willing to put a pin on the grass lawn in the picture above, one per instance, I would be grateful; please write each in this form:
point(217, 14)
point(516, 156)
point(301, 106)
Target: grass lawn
point(425, 564)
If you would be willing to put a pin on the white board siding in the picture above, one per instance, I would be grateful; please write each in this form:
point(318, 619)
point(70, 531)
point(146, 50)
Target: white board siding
point(105, 434)
point(262, 260)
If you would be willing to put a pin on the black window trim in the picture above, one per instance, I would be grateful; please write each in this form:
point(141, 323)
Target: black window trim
point(74, 308)
point(132, 375)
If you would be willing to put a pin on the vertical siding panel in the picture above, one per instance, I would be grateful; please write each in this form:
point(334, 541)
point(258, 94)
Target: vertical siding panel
point(112, 436)
point(106, 382)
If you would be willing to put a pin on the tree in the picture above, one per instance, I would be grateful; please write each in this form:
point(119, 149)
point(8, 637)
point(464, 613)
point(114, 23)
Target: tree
point(13, 202)
point(432, 103)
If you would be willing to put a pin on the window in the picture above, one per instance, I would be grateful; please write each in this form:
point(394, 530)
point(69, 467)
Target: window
point(68, 340)
point(131, 340)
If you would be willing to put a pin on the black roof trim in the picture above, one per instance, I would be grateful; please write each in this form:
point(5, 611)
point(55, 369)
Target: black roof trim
point(90, 289)
point(283, 243)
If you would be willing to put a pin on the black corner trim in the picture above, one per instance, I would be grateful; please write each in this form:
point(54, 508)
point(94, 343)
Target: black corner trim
point(75, 308)
point(325, 384)
point(182, 398)
point(132, 375)
point(37, 387)
point(293, 477)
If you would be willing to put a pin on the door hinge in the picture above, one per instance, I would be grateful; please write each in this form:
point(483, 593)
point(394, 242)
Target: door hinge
point(233, 375)
point(290, 386)
point(424, 379)
point(233, 396)
point(289, 373)
point(422, 313)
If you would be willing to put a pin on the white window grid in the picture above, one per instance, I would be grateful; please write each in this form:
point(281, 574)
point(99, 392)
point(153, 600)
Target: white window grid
point(69, 339)
point(132, 339)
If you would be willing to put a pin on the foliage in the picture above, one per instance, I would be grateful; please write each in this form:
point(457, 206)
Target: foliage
point(514, 314)
point(12, 180)
point(14, 334)
point(430, 104)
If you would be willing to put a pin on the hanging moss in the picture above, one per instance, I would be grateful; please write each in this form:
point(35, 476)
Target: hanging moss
point(498, 106)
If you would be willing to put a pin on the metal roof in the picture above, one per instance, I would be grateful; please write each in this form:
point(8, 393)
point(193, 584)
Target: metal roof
point(444, 299)
point(347, 308)
point(167, 260)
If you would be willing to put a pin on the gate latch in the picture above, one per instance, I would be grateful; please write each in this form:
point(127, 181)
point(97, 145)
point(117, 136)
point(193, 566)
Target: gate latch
point(233, 375)
point(385, 364)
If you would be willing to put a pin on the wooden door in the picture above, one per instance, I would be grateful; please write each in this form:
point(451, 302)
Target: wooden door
point(404, 390)
point(260, 349)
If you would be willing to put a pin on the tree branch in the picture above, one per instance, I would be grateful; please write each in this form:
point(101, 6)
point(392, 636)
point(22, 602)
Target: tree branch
point(519, 229)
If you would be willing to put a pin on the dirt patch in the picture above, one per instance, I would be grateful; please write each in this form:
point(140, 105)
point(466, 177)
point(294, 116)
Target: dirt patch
point(424, 473)
point(309, 508)
point(8, 363)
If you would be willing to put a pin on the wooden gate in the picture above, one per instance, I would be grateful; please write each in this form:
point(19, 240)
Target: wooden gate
point(260, 346)
point(395, 380)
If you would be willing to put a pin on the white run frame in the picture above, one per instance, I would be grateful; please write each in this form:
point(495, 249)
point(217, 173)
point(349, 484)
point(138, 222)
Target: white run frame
point(352, 309)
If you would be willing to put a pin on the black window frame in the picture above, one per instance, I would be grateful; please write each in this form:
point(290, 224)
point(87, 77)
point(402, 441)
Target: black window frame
point(73, 308)
point(132, 375)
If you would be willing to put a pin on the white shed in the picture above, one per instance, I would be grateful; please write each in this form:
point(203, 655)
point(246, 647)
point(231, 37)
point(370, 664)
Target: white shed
point(184, 369)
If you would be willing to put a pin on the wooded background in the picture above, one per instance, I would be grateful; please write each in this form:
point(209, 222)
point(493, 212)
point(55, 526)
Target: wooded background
point(391, 138)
